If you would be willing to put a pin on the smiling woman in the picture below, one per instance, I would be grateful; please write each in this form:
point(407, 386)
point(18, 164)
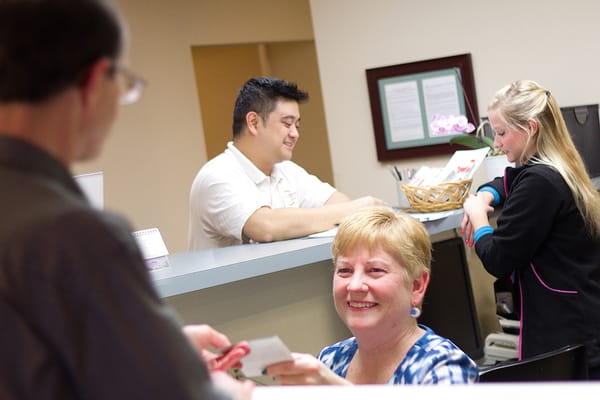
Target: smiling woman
point(382, 261)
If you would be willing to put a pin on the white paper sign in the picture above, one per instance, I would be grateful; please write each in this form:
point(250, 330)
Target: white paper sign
point(404, 111)
point(92, 186)
point(153, 248)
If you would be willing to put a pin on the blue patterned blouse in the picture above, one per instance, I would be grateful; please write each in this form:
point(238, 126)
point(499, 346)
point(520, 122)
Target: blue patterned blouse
point(431, 360)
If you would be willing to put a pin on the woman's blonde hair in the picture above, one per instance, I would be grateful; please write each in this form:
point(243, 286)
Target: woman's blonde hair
point(525, 100)
point(380, 228)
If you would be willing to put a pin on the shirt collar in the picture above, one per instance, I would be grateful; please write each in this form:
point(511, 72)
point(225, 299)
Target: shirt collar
point(250, 169)
point(24, 156)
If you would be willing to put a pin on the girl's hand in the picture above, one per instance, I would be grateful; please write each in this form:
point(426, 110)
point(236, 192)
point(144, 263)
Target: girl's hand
point(476, 208)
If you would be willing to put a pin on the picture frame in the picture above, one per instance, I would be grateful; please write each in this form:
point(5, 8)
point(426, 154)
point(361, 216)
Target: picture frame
point(405, 97)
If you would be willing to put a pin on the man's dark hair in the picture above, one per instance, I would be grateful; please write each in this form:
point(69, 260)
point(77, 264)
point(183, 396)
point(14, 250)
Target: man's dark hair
point(261, 95)
point(49, 45)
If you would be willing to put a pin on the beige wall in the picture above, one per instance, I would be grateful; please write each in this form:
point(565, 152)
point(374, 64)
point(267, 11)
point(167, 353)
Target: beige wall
point(219, 75)
point(556, 44)
point(297, 62)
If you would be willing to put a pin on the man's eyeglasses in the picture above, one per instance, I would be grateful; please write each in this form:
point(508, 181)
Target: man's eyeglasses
point(131, 85)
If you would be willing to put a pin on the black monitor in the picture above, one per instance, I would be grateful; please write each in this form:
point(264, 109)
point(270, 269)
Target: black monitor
point(449, 307)
point(584, 127)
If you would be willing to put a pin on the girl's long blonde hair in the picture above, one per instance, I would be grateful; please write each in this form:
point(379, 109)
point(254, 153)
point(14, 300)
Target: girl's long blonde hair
point(525, 100)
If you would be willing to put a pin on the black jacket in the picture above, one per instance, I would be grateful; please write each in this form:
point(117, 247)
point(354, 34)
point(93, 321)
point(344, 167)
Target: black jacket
point(541, 237)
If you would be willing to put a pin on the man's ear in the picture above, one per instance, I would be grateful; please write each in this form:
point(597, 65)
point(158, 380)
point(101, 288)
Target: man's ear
point(91, 86)
point(252, 121)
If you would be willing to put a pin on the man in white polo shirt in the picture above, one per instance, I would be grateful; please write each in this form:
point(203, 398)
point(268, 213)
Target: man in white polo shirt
point(252, 192)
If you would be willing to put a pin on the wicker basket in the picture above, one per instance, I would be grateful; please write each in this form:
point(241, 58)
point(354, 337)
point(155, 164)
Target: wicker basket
point(441, 197)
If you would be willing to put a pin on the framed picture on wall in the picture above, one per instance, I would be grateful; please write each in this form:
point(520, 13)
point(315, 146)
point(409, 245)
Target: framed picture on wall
point(405, 98)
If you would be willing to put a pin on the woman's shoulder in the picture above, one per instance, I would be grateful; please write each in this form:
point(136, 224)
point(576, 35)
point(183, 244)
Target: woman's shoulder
point(341, 346)
point(436, 359)
point(339, 353)
point(537, 175)
point(537, 169)
point(431, 343)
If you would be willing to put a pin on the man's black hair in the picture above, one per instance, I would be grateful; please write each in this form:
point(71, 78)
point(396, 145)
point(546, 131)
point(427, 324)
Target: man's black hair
point(261, 95)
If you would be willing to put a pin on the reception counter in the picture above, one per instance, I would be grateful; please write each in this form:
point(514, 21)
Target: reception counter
point(280, 288)
point(198, 270)
point(284, 288)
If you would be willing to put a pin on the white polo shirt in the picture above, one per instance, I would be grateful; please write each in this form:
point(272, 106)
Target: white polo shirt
point(229, 188)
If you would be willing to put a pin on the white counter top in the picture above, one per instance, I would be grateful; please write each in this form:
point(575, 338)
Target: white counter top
point(190, 271)
point(488, 391)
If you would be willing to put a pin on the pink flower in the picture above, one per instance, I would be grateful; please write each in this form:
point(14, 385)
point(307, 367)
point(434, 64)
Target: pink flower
point(443, 125)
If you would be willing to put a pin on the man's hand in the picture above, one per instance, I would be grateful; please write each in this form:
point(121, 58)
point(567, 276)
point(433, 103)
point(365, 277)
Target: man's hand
point(230, 357)
point(238, 389)
point(204, 336)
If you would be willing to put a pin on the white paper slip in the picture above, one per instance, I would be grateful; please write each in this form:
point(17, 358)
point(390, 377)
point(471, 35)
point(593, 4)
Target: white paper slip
point(151, 243)
point(431, 216)
point(92, 185)
point(264, 352)
point(153, 248)
point(328, 233)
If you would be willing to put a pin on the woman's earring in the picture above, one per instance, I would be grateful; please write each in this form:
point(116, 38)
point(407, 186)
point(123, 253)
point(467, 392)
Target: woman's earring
point(415, 312)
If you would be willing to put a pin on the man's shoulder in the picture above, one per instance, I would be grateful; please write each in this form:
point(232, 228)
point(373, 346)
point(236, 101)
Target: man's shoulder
point(219, 159)
point(70, 244)
point(287, 164)
point(222, 164)
point(82, 226)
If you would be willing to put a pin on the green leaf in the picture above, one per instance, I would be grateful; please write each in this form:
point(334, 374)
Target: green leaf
point(473, 141)
point(489, 141)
